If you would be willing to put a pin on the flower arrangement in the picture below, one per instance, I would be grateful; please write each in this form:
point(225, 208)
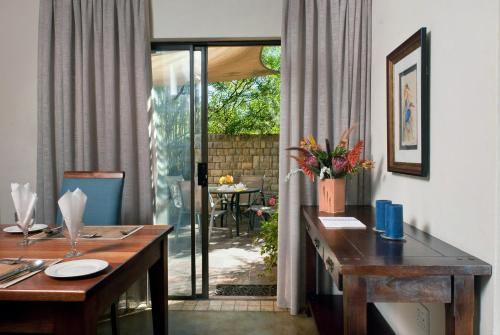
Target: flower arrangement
point(227, 179)
point(314, 161)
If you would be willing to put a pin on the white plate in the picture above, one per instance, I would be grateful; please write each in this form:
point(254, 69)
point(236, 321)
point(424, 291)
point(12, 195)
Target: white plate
point(16, 230)
point(78, 268)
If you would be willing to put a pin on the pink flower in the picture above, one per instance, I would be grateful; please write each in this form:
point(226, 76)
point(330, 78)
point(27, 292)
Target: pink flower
point(272, 201)
point(339, 164)
point(312, 161)
point(259, 213)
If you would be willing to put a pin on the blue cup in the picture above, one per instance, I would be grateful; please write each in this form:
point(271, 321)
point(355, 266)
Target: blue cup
point(380, 212)
point(394, 224)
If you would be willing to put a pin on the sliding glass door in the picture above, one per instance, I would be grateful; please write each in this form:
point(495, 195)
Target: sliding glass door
point(180, 156)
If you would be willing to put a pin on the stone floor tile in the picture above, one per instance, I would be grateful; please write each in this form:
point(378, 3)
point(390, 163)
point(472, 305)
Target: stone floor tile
point(214, 307)
point(241, 308)
point(253, 308)
point(201, 307)
point(176, 307)
point(188, 307)
point(215, 302)
point(241, 303)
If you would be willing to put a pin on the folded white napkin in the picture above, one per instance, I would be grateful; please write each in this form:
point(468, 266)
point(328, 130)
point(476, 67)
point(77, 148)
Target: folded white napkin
point(24, 202)
point(72, 205)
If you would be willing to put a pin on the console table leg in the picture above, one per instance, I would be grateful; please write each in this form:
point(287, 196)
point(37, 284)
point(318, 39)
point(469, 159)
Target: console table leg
point(355, 305)
point(460, 312)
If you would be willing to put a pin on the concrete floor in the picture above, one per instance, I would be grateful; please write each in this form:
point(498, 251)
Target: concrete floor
point(218, 323)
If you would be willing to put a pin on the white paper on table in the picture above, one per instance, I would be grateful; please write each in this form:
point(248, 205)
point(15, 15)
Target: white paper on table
point(341, 222)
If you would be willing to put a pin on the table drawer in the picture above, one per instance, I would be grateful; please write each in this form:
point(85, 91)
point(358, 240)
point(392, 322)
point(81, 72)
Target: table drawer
point(316, 239)
point(332, 266)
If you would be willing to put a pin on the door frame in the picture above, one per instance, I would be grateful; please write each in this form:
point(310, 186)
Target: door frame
point(192, 46)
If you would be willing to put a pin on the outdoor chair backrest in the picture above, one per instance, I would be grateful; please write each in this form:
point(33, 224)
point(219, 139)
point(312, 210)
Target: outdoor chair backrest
point(185, 188)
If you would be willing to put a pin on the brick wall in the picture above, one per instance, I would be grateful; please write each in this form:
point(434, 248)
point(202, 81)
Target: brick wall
point(240, 155)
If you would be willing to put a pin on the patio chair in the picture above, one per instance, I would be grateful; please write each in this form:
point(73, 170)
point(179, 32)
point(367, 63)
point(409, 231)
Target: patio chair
point(185, 209)
point(246, 201)
point(266, 209)
point(216, 213)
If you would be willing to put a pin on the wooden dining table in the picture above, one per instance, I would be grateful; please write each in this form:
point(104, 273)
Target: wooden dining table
point(42, 304)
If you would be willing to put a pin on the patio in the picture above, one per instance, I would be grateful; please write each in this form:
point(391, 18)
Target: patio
point(235, 261)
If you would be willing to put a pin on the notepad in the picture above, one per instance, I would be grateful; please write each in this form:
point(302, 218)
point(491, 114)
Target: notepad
point(341, 222)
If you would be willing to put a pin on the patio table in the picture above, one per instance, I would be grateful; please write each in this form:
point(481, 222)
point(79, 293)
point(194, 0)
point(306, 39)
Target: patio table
point(41, 304)
point(235, 200)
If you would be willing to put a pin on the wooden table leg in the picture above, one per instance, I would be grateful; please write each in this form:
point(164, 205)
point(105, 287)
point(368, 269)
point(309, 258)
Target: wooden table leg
point(460, 312)
point(355, 305)
point(158, 278)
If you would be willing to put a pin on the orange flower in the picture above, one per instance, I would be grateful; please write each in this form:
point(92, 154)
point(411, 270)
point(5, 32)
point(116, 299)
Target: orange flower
point(353, 155)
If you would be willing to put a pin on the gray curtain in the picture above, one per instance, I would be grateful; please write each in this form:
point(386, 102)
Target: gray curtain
point(325, 88)
point(93, 89)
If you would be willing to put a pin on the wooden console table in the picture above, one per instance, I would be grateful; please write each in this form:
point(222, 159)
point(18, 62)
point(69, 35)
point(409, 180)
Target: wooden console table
point(368, 268)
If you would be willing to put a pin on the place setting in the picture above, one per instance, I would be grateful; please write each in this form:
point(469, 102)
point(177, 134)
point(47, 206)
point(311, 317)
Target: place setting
point(72, 206)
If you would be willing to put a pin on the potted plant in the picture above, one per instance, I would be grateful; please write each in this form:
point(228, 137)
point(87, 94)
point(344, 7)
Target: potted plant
point(331, 166)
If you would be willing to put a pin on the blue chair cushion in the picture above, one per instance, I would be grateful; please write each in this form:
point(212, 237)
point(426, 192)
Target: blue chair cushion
point(104, 199)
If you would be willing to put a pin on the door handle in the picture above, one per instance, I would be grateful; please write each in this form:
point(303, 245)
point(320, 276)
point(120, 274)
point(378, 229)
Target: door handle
point(202, 174)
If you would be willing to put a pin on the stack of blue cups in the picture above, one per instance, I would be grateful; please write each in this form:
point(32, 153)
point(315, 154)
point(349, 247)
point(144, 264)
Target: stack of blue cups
point(389, 220)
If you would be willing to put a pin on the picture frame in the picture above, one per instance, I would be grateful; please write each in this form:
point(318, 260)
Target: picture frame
point(408, 107)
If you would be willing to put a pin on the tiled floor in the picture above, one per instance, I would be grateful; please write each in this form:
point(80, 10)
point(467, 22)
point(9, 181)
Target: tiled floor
point(225, 305)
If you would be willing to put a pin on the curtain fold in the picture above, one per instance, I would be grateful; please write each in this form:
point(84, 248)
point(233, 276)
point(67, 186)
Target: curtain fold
point(325, 89)
point(93, 92)
point(94, 85)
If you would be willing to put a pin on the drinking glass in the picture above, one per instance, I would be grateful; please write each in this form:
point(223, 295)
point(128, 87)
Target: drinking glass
point(25, 229)
point(73, 234)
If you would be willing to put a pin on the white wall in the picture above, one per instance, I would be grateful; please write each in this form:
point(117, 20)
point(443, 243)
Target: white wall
point(458, 203)
point(216, 19)
point(18, 98)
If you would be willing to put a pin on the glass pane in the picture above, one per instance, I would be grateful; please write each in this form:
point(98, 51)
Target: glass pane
point(198, 158)
point(171, 120)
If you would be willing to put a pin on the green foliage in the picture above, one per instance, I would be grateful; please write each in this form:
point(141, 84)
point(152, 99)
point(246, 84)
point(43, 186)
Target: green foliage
point(269, 237)
point(248, 106)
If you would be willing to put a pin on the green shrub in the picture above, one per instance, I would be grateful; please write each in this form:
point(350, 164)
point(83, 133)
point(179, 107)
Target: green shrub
point(268, 237)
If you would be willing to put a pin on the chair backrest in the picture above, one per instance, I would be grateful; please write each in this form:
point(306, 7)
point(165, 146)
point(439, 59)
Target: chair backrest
point(104, 192)
point(185, 188)
point(253, 181)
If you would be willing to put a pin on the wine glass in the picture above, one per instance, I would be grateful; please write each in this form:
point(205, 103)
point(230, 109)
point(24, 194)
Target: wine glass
point(73, 234)
point(25, 229)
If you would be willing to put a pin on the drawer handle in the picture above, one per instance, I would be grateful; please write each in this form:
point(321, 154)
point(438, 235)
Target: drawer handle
point(316, 243)
point(329, 264)
point(308, 226)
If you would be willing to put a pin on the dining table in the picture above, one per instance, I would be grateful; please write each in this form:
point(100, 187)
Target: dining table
point(42, 304)
point(235, 195)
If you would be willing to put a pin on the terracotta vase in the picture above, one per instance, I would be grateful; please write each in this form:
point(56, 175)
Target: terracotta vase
point(332, 195)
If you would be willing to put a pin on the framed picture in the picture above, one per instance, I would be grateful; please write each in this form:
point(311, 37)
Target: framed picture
point(408, 107)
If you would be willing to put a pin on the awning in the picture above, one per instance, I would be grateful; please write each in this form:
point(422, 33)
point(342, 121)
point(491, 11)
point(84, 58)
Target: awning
point(224, 64)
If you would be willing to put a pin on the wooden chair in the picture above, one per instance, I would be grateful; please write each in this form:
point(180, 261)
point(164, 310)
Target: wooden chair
point(104, 190)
